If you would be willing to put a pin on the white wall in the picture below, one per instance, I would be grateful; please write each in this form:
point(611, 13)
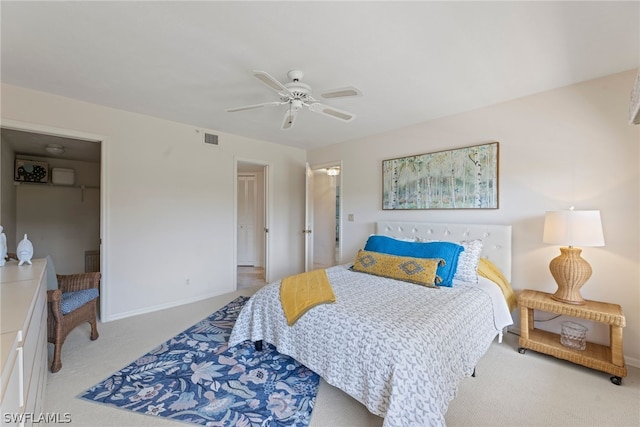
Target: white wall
point(8, 196)
point(570, 146)
point(168, 202)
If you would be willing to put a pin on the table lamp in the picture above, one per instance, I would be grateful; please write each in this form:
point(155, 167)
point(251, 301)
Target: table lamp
point(571, 228)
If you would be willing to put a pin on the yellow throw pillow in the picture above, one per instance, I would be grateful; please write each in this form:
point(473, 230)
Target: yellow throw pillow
point(421, 271)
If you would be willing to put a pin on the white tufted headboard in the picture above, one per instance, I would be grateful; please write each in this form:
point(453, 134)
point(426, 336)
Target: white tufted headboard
point(496, 238)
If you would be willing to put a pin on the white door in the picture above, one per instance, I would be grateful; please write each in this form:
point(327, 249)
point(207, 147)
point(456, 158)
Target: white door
point(247, 196)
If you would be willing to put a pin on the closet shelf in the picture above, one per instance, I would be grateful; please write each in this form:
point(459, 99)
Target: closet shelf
point(49, 184)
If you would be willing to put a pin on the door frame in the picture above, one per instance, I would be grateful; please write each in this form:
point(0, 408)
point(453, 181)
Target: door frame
point(105, 299)
point(268, 209)
point(309, 197)
point(307, 233)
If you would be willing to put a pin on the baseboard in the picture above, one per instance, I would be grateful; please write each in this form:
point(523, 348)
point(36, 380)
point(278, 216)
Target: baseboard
point(158, 307)
point(632, 361)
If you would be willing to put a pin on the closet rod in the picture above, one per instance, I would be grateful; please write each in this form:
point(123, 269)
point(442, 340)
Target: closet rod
point(49, 184)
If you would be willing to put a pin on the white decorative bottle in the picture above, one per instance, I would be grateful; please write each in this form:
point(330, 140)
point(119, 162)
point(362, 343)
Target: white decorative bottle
point(3, 247)
point(25, 251)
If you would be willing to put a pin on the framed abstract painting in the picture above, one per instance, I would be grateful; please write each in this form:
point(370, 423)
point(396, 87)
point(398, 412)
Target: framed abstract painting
point(462, 178)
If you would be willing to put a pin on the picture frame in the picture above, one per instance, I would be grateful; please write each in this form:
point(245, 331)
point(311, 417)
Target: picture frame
point(31, 171)
point(461, 178)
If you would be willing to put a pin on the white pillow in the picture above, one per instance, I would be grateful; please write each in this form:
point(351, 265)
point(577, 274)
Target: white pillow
point(402, 239)
point(467, 269)
point(468, 260)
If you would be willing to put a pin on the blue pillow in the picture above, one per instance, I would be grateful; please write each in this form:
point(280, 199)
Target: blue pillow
point(448, 251)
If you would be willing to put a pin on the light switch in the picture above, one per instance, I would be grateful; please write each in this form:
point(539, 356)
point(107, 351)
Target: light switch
point(350, 217)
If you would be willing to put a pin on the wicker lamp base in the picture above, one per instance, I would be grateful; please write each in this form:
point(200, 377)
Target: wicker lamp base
point(570, 271)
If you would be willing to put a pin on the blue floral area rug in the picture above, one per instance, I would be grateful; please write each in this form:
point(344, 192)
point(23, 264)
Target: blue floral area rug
point(196, 378)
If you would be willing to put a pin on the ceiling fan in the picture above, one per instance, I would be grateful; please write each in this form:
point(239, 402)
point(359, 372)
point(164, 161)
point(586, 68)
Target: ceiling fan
point(295, 95)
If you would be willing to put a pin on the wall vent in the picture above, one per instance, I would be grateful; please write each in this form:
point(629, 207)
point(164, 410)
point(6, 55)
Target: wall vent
point(210, 138)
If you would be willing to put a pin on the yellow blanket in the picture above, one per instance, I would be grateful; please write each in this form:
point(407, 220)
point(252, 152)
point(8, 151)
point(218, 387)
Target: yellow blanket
point(488, 270)
point(303, 291)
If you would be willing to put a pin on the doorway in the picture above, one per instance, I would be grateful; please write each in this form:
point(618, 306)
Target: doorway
point(71, 227)
point(324, 216)
point(247, 219)
point(251, 223)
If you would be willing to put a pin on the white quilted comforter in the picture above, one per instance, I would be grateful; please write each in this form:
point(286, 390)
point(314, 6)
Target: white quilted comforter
point(398, 348)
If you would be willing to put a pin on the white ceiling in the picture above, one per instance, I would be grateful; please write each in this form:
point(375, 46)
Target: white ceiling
point(413, 61)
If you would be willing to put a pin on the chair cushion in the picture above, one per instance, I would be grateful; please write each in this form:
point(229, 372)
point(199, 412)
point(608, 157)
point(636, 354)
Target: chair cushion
point(52, 279)
point(74, 300)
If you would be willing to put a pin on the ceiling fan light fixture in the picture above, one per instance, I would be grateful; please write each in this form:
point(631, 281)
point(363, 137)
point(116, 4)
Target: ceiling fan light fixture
point(296, 104)
point(54, 149)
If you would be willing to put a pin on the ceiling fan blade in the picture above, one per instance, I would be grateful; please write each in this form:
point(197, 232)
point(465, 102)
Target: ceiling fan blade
point(289, 119)
point(331, 112)
point(343, 92)
point(252, 107)
point(270, 82)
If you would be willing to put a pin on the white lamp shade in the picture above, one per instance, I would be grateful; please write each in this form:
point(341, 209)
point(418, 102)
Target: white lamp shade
point(573, 228)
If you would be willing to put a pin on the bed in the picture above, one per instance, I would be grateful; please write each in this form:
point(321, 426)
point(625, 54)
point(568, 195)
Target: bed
point(398, 348)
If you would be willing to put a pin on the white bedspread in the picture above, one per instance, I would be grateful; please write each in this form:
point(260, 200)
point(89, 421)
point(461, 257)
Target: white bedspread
point(398, 348)
point(501, 315)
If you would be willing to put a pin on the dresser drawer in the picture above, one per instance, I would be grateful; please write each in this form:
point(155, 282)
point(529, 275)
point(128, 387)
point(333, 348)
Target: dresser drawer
point(34, 379)
point(11, 393)
point(23, 346)
point(33, 337)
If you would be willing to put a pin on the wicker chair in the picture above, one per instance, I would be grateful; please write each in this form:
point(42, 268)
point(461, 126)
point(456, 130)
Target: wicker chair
point(58, 324)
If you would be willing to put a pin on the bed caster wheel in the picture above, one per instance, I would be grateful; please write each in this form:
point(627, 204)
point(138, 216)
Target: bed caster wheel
point(616, 380)
point(522, 350)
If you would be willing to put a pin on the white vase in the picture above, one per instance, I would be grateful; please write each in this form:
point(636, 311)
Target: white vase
point(3, 248)
point(25, 251)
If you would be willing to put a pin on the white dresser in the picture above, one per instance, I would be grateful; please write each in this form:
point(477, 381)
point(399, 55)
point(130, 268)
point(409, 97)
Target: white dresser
point(23, 341)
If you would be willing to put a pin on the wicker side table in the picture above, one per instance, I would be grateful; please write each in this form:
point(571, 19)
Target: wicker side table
point(603, 358)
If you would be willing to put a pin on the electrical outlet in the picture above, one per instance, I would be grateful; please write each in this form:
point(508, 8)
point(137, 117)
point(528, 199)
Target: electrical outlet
point(187, 282)
point(350, 217)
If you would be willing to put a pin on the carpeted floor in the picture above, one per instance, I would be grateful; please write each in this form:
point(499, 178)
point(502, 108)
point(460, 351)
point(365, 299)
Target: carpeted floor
point(509, 388)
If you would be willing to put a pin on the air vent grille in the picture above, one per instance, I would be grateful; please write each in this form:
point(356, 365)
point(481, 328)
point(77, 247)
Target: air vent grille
point(210, 138)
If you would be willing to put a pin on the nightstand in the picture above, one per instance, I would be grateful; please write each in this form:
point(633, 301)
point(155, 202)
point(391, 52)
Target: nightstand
point(603, 358)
